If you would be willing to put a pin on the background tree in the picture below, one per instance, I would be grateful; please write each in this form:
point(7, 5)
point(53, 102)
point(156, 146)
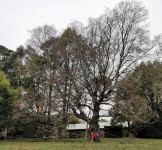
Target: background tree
point(138, 100)
point(40, 35)
point(148, 77)
point(12, 64)
point(7, 97)
point(129, 106)
point(64, 79)
point(42, 63)
point(48, 69)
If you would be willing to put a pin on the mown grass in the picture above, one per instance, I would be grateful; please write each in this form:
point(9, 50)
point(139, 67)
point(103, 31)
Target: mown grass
point(106, 144)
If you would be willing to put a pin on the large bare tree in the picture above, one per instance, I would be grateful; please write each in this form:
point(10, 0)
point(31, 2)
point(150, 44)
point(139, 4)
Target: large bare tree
point(105, 50)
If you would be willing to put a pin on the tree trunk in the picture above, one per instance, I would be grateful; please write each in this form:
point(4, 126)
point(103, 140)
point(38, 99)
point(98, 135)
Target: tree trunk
point(86, 133)
point(49, 102)
point(65, 106)
point(94, 123)
point(65, 110)
point(6, 130)
point(159, 114)
point(129, 129)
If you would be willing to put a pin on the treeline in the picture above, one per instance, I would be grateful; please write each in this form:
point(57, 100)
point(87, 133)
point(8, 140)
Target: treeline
point(80, 73)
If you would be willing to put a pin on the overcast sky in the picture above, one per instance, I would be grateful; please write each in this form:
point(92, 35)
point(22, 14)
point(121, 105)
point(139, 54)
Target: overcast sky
point(19, 16)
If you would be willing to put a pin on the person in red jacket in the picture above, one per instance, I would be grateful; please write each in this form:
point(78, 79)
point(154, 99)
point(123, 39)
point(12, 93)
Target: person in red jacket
point(93, 136)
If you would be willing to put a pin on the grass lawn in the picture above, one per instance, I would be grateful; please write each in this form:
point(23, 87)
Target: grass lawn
point(106, 144)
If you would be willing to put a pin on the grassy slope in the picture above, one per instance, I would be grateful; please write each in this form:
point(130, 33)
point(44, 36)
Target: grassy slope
point(106, 144)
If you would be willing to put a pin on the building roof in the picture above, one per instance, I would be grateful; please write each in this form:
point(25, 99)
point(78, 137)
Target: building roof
point(83, 125)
